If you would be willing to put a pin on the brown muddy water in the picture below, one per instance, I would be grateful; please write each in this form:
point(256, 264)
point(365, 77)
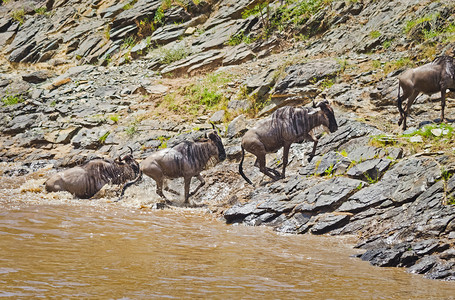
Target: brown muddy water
point(54, 246)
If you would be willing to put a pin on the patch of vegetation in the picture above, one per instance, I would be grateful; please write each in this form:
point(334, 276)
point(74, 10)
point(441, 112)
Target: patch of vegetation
point(128, 42)
point(18, 15)
point(208, 91)
point(171, 55)
point(12, 99)
point(238, 38)
point(41, 10)
point(129, 5)
point(285, 17)
point(432, 138)
point(413, 23)
point(398, 64)
point(145, 27)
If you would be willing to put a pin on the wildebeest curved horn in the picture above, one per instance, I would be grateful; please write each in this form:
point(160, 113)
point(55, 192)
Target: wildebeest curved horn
point(131, 150)
point(213, 125)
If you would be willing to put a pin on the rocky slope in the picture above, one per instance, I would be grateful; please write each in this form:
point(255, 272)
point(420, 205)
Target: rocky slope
point(82, 79)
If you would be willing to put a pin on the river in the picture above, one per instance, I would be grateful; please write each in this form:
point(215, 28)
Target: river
point(53, 246)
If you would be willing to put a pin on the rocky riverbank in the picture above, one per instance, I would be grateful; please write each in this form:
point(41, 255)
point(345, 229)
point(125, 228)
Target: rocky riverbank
point(79, 81)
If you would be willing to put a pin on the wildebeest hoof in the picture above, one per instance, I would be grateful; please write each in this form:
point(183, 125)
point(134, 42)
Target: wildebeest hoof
point(159, 205)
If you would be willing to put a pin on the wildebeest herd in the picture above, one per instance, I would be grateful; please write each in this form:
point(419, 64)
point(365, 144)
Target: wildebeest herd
point(285, 126)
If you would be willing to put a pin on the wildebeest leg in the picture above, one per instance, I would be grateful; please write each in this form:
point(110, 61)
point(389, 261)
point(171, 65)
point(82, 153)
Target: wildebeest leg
point(411, 100)
point(187, 181)
point(159, 187)
point(443, 102)
point(260, 162)
point(275, 172)
point(202, 183)
point(285, 158)
point(168, 189)
point(315, 143)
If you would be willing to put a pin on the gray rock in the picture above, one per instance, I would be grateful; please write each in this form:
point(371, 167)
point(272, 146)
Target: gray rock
point(329, 222)
point(326, 195)
point(416, 175)
point(370, 170)
point(217, 117)
point(36, 77)
point(237, 127)
point(301, 75)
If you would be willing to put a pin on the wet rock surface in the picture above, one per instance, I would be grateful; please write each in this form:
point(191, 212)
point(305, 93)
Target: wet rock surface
point(84, 94)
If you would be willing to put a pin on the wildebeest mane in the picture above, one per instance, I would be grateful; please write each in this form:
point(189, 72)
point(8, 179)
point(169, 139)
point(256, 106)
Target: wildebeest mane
point(197, 154)
point(291, 119)
point(448, 63)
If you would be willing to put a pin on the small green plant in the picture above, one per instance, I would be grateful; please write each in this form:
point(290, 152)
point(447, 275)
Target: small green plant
point(343, 153)
point(451, 200)
point(370, 179)
point(53, 103)
point(102, 139)
point(445, 174)
point(326, 83)
point(18, 15)
point(375, 34)
point(159, 15)
point(386, 44)
point(114, 118)
point(163, 141)
point(128, 42)
point(329, 170)
point(11, 100)
point(131, 130)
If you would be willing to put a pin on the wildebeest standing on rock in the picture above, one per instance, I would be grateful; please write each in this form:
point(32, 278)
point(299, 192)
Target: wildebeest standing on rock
point(437, 76)
point(86, 180)
point(187, 159)
point(287, 125)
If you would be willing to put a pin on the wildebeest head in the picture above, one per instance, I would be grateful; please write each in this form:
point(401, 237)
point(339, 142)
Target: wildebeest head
point(129, 160)
point(216, 139)
point(328, 114)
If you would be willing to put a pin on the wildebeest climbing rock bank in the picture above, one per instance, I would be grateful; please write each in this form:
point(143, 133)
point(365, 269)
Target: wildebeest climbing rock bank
point(85, 79)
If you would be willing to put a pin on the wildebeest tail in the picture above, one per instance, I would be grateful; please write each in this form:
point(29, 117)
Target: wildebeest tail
point(128, 184)
point(241, 168)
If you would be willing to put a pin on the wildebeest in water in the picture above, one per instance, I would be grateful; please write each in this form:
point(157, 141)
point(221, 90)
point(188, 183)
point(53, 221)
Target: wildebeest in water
point(287, 125)
point(437, 76)
point(187, 159)
point(86, 180)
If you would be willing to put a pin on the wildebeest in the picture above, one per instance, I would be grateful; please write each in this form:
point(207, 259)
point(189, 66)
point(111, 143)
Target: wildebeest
point(86, 180)
point(287, 125)
point(187, 159)
point(436, 76)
